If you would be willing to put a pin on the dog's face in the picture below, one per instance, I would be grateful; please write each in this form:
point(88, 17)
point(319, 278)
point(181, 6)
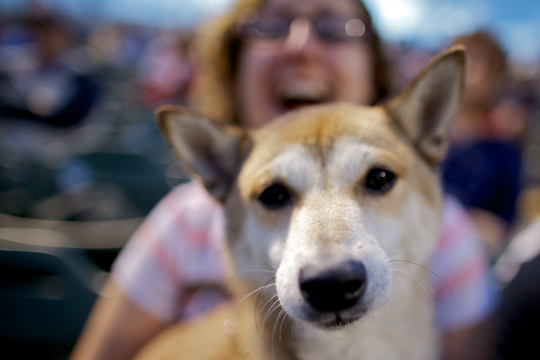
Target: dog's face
point(326, 195)
point(322, 198)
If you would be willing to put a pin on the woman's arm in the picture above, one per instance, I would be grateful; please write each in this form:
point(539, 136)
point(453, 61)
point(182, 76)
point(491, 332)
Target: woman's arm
point(116, 329)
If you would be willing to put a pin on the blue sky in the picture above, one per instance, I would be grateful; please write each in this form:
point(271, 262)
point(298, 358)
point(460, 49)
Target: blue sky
point(432, 23)
point(429, 23)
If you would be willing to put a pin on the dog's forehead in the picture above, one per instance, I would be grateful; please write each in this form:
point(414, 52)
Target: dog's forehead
point(334, 137)
point(320, 126)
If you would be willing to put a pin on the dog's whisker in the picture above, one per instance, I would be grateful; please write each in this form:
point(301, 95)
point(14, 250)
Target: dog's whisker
point(389, 256)
point(417, 280)
point(260, 290)
point(273, 298)
point(282, 322)
point(430, 271)
point(397, 281)
point(405, 288)
point(257, 270)
point(272, 301)
point(399, 254)
point(411, 275)
point(420, 307)
point(256, 307)
point(259, 247)
point(273, 308)
point(274, 329)
point(409, 292)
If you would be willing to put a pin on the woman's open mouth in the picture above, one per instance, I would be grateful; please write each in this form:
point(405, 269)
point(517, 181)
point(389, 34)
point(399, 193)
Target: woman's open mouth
point(293, 95)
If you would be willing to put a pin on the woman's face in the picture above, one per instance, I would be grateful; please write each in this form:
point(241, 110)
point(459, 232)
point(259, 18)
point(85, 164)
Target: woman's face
point(274, 77)
point(482, 82)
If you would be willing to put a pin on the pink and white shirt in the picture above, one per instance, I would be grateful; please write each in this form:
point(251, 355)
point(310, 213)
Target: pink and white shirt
point(178, 248)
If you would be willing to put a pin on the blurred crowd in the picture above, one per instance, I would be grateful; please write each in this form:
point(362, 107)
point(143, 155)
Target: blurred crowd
point(78, 142)
point(72, 96)
point(81, 163)
point(75, 103)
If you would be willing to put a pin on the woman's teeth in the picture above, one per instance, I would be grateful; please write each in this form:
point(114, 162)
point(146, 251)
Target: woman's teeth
point(302, 93)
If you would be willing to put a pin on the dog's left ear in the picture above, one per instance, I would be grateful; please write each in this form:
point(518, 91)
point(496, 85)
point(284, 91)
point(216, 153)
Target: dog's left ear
point(426, 109)
point(208, 151)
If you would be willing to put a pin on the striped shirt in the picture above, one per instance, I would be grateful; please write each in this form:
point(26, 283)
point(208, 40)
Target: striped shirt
point(178, 248)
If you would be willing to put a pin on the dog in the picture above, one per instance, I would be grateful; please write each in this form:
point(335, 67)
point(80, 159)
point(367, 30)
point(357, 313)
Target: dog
point(321, 205)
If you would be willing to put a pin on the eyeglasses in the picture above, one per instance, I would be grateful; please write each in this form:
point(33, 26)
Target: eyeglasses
point(265, 29)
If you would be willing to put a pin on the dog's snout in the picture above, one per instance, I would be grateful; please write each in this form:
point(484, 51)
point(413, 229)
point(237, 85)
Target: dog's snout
point(334, 289)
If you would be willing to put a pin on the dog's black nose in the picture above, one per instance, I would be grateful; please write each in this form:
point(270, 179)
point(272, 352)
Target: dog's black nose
point(333, 289)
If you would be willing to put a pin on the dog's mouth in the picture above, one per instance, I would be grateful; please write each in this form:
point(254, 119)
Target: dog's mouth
point(339, 321)
point(329, 321)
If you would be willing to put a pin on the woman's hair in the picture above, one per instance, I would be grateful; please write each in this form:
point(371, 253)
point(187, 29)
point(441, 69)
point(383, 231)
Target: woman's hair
point(483, 45)
point(217, 47)
point(485, 50)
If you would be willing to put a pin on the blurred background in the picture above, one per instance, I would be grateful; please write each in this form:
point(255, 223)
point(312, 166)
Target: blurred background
point(81, 161)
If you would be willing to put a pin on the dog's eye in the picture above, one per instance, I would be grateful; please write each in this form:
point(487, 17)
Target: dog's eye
point(380, 180)
point(275, 197)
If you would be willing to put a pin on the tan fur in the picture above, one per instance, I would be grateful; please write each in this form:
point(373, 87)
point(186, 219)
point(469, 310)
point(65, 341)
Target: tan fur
point(322, 155)
point(227, 333)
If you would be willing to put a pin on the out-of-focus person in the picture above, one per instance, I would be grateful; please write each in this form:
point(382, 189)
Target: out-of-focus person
point(483, 167)
point(165, 69)
point(49, 92)
point(40, 82)
point(49, 102)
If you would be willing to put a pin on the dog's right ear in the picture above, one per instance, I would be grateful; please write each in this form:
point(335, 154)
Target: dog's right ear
point(208, 151)
point(426, 109)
